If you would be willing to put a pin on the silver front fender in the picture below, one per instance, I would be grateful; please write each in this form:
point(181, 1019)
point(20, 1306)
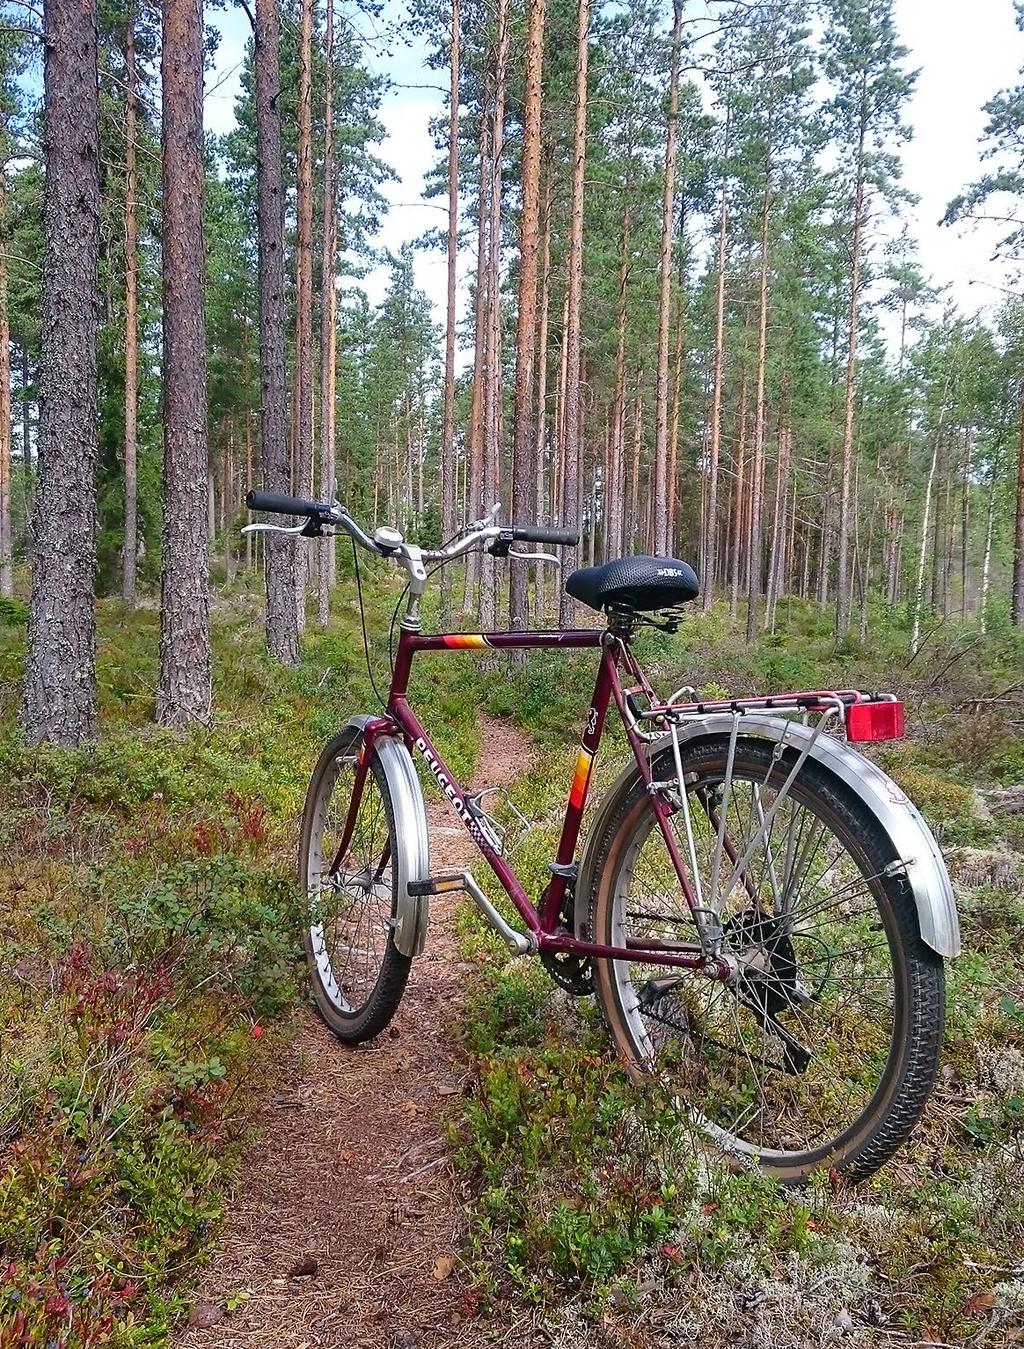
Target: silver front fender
point(412, 860)
point(914, 842)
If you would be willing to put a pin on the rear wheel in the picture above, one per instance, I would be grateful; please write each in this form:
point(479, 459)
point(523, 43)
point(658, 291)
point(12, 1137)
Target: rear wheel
point(823, 1049)
point(357, 973)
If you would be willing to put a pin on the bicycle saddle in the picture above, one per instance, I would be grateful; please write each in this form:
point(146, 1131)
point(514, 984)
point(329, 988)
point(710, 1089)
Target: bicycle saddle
point(640, 583)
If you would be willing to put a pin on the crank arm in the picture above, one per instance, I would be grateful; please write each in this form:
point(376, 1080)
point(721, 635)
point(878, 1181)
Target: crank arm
point(795, 1056)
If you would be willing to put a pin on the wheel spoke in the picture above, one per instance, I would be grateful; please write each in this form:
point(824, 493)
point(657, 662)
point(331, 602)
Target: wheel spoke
point(771, 1051)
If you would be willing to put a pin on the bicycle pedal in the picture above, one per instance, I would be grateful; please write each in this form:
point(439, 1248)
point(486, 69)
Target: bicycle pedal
point(440, 884)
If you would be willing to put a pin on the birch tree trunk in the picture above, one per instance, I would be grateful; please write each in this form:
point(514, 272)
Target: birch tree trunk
point(279, 552)
point(60, 678)
point(185, 693)
point(573, 410)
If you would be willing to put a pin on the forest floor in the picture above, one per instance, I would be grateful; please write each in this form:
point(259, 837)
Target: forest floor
point(477, 1175)
point(346, 1222)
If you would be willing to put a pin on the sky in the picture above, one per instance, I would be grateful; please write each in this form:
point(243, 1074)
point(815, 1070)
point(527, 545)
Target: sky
point(964, 53)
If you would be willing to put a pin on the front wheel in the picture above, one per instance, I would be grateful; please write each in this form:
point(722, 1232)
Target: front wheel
point(821, 1052)
point(357, 973)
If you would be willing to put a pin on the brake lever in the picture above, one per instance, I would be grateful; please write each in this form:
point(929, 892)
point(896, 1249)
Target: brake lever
point(277, 529)
point(534, 557)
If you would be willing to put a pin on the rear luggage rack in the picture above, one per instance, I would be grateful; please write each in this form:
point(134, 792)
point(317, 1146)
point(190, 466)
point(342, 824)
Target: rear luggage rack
point(864, 717)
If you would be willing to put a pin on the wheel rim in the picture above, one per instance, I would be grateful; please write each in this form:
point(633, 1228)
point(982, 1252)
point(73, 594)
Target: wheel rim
point(817, 955)
point(350, 907)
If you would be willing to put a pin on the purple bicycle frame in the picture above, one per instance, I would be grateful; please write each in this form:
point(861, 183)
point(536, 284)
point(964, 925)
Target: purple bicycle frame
point(542, 922)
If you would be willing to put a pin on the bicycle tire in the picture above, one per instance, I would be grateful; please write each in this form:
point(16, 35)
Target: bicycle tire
point(355, 1004)
point(875, 1132)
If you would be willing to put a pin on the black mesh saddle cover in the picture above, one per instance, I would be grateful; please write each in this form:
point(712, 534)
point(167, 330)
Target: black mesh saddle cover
point(640, 583)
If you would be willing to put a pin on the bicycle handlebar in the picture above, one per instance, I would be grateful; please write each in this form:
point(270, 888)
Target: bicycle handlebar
point(285, 505)
point(544, 534)
point(481, 534)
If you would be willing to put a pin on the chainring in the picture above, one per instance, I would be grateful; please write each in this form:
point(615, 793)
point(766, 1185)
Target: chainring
point(574, 973)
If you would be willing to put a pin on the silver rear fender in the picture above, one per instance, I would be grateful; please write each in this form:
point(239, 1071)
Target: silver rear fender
point(896, 814)
point(412, 860)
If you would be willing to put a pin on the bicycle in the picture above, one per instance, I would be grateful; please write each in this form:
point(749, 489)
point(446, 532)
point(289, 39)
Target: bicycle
point(762, 913)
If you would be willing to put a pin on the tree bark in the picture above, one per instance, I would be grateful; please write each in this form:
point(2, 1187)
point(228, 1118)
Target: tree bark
point(279, 552)
point(757, 459)
point(1017, 597)
point(846, 468)
point(659, 503)
point(523, 436)
point(448, 465)
point(303, 471)
point(717, 378)
point(493, 383)
point(6, 531)
point(474, 490)
point(60, 679)
point(740, 534)
point(131, 320)
point(184, 694)
point(542, 379)
point(328, 327)
point(573, 410)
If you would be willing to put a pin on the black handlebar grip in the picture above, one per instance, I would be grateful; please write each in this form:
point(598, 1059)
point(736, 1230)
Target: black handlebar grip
point(545, 534)
point(282, 505)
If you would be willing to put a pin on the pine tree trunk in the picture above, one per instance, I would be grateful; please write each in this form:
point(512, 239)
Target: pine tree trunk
point(60, 679)
point(542, 383)
point(448, 465)
point(6, 530)
point(710, 523)
point(1017, 598)
point(846, 468)
point(572, 432)
point(741, 535)
point(965, 520)
point(986, 566)
point(659, 503)
point(279, 552)
point(672, 486)
point(474, 495)
point(131, 321)
point(757, 461)
point(493, 382)
point(184, 694)
point(524, 435)
point(915, 639)
point(303, 471)
point(328, 327)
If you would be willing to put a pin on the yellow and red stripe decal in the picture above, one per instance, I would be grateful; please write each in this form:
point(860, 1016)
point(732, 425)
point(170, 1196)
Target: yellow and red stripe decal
point(581, 779)
point(465, 641)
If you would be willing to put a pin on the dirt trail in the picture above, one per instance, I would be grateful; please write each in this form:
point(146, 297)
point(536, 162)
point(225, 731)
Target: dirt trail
point(349, 1175)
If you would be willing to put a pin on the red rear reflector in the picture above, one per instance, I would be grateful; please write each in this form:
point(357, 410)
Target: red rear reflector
point(874, 721)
